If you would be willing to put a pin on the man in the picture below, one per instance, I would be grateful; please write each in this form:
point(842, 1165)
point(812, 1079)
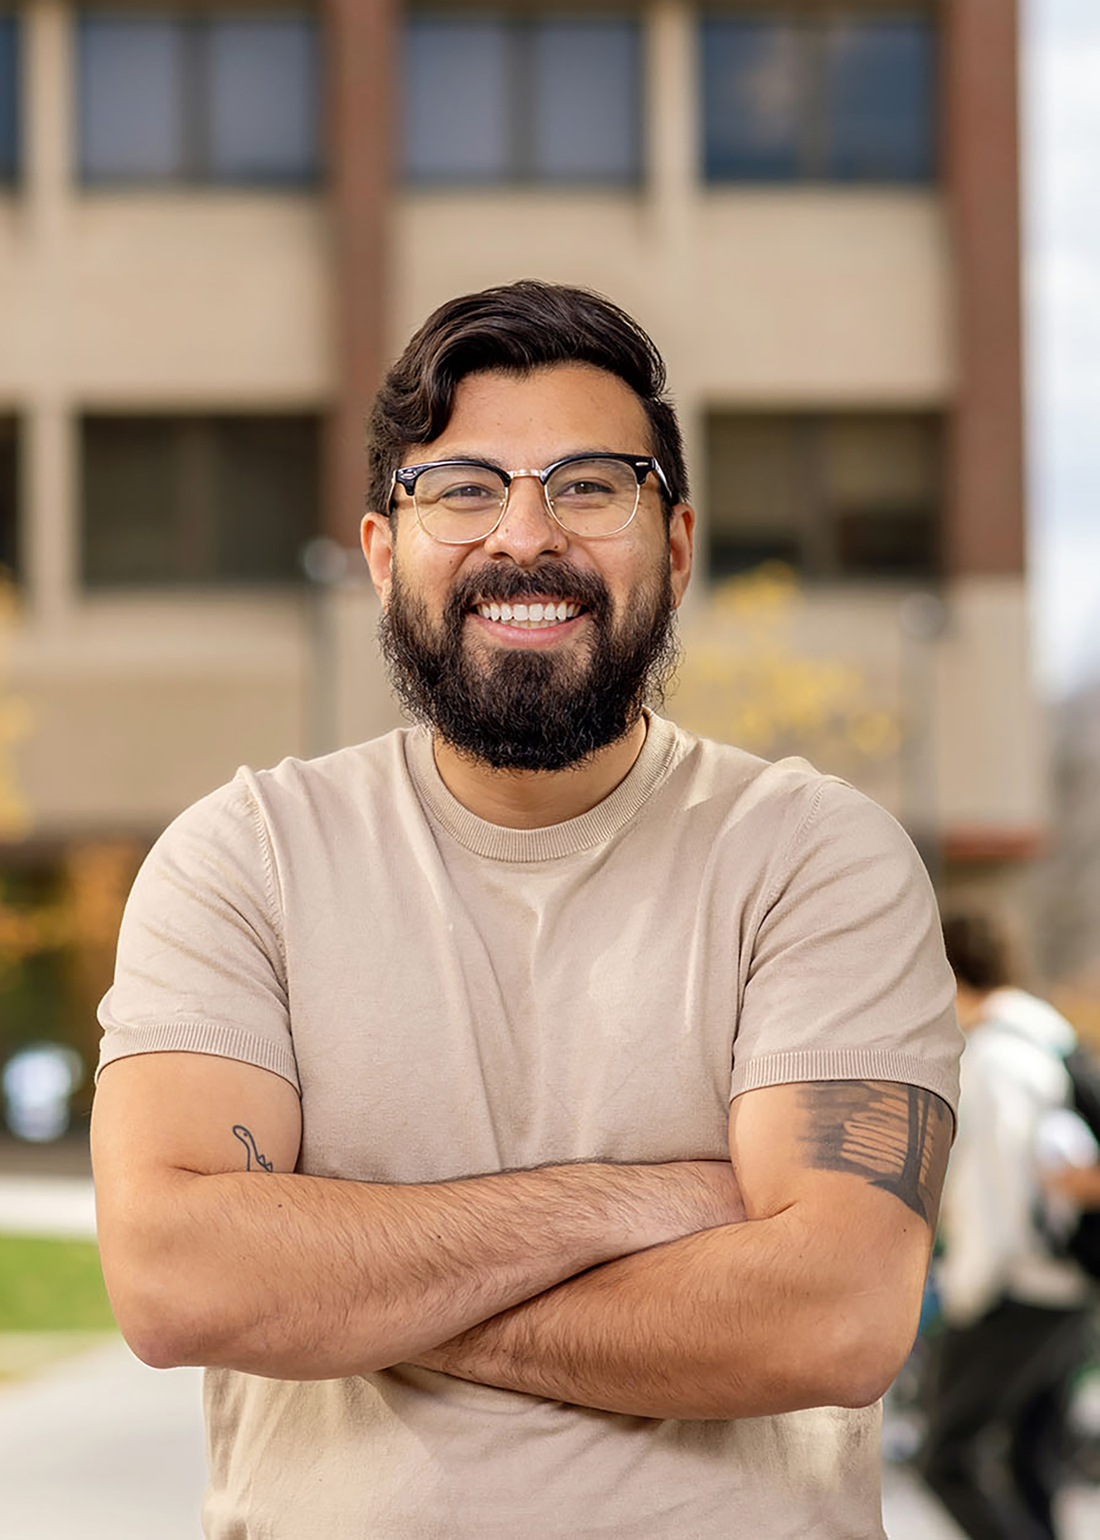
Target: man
point(1016, 1311)
point(429, 1064)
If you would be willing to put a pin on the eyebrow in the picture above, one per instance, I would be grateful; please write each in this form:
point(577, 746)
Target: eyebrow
point(491, 460)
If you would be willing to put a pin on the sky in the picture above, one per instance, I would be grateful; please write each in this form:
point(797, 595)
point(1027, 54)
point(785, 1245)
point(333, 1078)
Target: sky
point(1060, 121)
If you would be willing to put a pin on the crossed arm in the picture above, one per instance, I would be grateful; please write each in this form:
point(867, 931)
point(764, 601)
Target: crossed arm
point(668, 1290)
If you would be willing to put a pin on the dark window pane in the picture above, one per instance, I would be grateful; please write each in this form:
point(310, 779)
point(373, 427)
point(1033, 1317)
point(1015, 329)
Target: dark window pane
point(756, 492)
point(131, 505)
point(869, 544)
point(753, 99)
point(263, 81)
point(839, 496)
point(880, 491)
point(9, 97)
point(266, 495)
point(816, 92)
point(197, 500)
point(585, 100)
point(9, 498)
point(880, 94)
point(456, 90)
point(131, 74)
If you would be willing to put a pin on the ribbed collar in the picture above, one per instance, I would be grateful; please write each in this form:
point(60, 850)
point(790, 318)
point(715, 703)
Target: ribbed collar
point(599, 824)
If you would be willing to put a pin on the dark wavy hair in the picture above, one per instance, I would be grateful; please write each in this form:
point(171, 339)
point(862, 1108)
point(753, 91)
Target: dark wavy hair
point(980, 949)
point(515, 327)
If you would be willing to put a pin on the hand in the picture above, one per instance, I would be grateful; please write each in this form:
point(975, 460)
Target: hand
point(1080, 1184)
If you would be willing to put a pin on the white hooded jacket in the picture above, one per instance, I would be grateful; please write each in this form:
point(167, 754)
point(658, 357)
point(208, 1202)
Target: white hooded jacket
point(1012, 1078)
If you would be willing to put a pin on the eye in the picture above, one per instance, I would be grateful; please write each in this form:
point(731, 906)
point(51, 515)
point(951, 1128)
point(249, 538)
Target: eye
point(468, 489)
point(585, 488)
point(463, 488)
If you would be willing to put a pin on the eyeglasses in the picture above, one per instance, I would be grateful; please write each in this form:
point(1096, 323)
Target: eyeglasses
point(460, 501)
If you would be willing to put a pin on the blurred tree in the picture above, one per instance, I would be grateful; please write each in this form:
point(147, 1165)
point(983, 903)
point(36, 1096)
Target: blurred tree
point(745, 680)
point(59, 912)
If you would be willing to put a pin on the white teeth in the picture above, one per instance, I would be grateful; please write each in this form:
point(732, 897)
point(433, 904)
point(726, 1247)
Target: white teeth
point(529, 615)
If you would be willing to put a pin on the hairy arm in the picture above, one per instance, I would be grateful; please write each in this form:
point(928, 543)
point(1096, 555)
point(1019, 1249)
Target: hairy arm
point(813, 1301)
point(215, 1252)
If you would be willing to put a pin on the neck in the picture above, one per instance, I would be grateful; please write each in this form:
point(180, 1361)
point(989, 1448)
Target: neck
point(534, 799)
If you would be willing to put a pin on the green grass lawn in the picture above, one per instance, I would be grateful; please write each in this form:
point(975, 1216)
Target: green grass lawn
point(51, 1286)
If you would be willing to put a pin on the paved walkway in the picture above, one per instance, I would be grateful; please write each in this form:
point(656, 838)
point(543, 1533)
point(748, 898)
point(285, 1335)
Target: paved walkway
point(102, 1448)
point(47, 1205)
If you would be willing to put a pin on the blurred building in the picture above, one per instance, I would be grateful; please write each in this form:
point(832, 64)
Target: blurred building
point(217, 223)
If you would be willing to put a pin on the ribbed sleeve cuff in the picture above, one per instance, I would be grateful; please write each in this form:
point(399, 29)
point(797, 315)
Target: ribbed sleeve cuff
point(844, 1064)
point(123, 1041)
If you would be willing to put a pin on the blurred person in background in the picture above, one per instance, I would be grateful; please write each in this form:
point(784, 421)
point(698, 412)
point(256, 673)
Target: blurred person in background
point(1016, 1308)
point(428, 1065)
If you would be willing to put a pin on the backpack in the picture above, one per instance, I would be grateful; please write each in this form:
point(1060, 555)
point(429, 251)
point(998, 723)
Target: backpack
point(1083, 1068)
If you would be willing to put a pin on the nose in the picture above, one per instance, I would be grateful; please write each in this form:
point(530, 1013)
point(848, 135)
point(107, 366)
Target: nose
point(527, 531)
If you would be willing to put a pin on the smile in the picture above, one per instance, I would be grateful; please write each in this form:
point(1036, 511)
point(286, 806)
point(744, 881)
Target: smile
point(532, 616)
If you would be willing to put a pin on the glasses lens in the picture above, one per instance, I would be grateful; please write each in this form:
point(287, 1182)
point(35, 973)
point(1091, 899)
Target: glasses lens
point(593, 497)
point(459, 502)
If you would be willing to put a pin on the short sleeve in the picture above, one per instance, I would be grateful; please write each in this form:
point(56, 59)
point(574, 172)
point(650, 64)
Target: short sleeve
point(848, 979)
point(200, 964)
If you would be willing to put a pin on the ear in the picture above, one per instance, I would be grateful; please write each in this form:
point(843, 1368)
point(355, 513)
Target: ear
point(681, 546)
point(377, 540)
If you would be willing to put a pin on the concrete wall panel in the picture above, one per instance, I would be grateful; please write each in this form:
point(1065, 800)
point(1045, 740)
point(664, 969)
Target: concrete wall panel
point(763, 298)
point(171, 299)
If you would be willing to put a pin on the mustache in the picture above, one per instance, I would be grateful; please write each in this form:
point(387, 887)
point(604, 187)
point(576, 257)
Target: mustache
point(504, 582)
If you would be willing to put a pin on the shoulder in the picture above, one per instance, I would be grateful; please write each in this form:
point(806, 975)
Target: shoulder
point(786, 807)
point(353, 771)
point(241, 824)
point(361, 784)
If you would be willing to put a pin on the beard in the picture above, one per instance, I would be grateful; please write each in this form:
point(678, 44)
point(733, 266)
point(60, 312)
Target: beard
point(519, 709)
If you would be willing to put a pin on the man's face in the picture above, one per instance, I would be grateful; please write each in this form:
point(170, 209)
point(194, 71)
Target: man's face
point(548, 695)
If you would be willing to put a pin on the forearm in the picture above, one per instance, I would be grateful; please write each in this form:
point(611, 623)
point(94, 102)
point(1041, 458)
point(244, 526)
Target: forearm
point(722, 1324)
point(308, 1278)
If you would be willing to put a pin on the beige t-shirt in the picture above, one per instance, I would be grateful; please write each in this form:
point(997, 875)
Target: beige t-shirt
point(453, 998)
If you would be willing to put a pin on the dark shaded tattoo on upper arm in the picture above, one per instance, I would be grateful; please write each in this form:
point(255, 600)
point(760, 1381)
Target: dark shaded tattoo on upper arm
point(253, 1159)
point(896, 1136)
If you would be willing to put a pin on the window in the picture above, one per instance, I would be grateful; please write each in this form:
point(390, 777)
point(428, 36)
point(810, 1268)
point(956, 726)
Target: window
point(819, 93)
point(9, 97)
point(9, 498)
point(546, 99)
point(202, 98)
point(852, 496)
point(197, 500)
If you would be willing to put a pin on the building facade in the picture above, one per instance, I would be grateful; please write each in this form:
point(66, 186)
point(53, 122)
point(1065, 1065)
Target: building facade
point(218, 223)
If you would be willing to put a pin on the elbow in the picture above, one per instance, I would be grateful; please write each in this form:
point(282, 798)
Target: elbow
point(850, 1360)
point(155, 1329)
point(864, 1385)
point(153, 1305)
point(869, 1351)
point(157, 1349)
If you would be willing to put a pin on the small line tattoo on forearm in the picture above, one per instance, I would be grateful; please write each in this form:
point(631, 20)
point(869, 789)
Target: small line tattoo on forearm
point(254, 1161)
point(896, 1136)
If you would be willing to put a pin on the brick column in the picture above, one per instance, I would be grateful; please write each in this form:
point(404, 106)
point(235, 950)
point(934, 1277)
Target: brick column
point(985, 490)
point(361, 38)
